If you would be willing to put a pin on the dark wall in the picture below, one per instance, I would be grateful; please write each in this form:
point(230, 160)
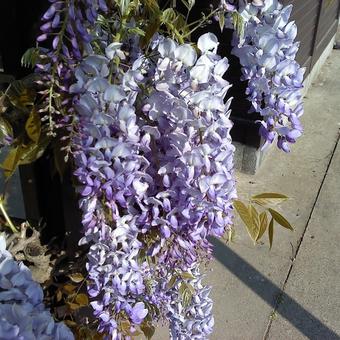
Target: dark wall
point(317, 22)
point(47, 198)
point(19, 25)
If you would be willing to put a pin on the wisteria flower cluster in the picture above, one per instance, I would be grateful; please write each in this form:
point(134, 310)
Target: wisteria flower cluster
point(147, 122)
point(22, 311)
point(66, 24)
point(267, 55)
point(155, 160)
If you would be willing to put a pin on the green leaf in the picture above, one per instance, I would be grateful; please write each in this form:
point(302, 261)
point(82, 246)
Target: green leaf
point(186, 292)
point(280, 219)
point(23, 154)
point(263, 225)
point(5, 129)
point(244, 213)
point(73, 306)
point(125, 326)
point(3, 106)
point(68, 288)
point(187, 276)
point(82, 299)
point(76, 277)
point(189, 4)
point(273, 195)
point(168, 16)
point(30, 57)
point(33, 126)
point(269, 198)
point(152, 7)
point(150, 30)
point(11, 161)
point(238, 24)
point(221, 20)
point(172, 282)
point(21, 93)
point(249, 216)
point(123, 6)
point(271, 233)
point(137, 31)
point(148, 329)
point(33, 151)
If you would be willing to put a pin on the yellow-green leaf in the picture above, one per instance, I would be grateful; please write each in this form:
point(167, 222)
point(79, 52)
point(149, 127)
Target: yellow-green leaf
point(125, 326)
point(73, 306)
point(268, 198)
point(256, 223)
point(148, 329)
point(69, 288)
point(168, 16)
point(152, 7)
point(186, 292)
point(33, 151)
point(186, 276)
point(59, 295)
point(249, 217)
point(280, 219)
point(271, 232)
point(76, 277)
point(221, 20)
point(263, 225)
point(274, 195)
point(82, 299)
point(33, 126)
point(244, 213)
point(11, 161)
point(5, 129)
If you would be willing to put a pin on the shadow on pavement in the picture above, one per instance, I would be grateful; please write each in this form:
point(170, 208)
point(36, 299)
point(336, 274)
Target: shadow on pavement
point(291, 310)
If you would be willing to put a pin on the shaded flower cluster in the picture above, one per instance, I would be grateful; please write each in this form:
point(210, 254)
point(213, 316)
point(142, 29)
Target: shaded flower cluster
point(22, 311)
point(67, 24)
point(267, 55)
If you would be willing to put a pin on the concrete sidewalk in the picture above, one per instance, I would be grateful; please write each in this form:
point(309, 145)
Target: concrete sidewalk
point(292, 291)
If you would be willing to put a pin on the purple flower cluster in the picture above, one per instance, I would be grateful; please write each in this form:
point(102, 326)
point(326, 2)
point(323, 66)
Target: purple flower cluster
point(111, 172)
point(194, 321)
point(267, 55)
point(191, 161)
point(191, 157)
point(155, 165)
point(68, 24)
point(22, 311)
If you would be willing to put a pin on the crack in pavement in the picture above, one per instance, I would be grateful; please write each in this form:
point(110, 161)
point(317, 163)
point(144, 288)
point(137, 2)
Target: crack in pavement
point(279, 299)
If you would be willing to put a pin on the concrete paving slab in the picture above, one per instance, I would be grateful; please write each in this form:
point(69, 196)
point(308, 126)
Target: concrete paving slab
point(247, 280)
point(314, 281)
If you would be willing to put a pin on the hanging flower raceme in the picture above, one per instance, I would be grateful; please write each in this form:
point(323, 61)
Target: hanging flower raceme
point(22, 311)
point(193, 320)
point(192, 155)
point(267, 52)
point(68, 25)
point(191, 161)
point(156, 181)
point(111, 171)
